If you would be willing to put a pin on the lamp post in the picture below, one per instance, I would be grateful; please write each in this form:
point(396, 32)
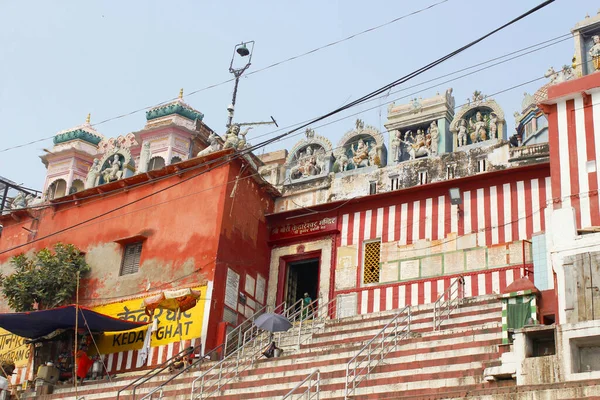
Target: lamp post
point(242, 51)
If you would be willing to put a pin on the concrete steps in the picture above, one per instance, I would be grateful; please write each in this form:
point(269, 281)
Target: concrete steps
point(426, 363)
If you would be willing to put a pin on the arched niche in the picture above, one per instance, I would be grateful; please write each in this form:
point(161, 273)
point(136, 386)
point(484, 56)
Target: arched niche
point(56, 189)
point(175, 160)
point(360, 147)
point(480, 120)
point(310, 158)
point(77, 186)
point(156, 162)
point(115, 165)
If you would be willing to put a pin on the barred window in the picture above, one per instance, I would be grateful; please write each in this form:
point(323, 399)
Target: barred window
point(371, 263)
point(131, 258)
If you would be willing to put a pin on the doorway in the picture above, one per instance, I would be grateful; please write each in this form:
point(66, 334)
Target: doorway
point(302, 277)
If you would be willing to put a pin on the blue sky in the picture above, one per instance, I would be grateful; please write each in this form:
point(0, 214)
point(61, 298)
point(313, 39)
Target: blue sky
point(60, 60)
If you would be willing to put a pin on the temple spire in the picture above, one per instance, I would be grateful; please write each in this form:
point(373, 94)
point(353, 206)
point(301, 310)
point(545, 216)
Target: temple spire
point(88, 119)
point(181, 93)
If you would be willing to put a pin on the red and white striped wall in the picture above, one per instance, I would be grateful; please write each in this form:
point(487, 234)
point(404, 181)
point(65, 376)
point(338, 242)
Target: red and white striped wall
point(426, 291)
point(573, 111)
point(124, 361)
point(127, 360)
point(498, 213)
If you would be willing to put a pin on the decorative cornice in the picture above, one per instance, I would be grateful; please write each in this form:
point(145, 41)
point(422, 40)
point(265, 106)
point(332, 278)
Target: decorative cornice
point(177, 107)
point(78, 133)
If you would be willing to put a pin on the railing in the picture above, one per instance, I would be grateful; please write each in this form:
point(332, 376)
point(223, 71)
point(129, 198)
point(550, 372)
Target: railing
point(213, 379)
point(308, 392)
point(196, 363)
point(373, 353)
point(154, 372)
point(448, 302)
point(307, 320)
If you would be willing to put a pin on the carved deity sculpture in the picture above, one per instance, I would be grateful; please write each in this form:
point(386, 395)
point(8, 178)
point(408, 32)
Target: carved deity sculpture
point(113, 171)
point(462, 133)
point(242, 142)
point(493, 126)
point(307, 165)
point(144, 157)
point(93, 174)
point(231, 137)
point(479, 132)
point(360, 154)
point(416, 145)
point(19, 201)
point(395, 144)
point(213, 145)
point(342, 159)
point(434, 133)
point(595, 52)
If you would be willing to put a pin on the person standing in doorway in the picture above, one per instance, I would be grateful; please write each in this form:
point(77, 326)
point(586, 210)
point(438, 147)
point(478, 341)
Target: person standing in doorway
point(307, 307)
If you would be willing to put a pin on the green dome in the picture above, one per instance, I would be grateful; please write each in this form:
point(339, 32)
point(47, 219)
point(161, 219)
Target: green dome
point(174, 108)
point(77, 133)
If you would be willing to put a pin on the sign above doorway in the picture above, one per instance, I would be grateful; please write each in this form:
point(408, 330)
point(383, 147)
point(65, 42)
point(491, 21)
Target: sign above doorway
point(291, 231)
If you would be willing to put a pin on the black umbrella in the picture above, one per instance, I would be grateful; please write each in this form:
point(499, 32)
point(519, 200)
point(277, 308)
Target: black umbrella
point(273, 322)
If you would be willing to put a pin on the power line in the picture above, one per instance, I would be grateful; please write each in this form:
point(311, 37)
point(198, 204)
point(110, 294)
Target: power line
point(548, 43)
point(279, 137)
point(250, 73)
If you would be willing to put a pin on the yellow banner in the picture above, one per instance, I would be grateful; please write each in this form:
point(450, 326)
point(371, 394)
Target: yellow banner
point(13, 348)
point(169, 330)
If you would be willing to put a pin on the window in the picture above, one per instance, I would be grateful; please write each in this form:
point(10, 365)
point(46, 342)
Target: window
point(372, 187)
point(422, 177)
point(394, 182)
point(450, 171)
point(131, 258)
point(481, 165)
point(371, 264)
point(175, 160)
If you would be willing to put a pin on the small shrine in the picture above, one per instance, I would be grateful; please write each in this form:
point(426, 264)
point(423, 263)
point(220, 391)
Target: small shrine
point(480, 120)
point(310, 158)
point(420, 128)
point(68, 162)
point(360, 147)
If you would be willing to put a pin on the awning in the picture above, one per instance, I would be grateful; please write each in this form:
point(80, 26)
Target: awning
point(35, 324)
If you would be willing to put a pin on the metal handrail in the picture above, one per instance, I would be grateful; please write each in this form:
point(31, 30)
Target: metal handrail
point(238, 332)
point(316, 385)
point(184, 370)
point(367, 355)
point(153, 372)
point(448, 301)
point(230, 367)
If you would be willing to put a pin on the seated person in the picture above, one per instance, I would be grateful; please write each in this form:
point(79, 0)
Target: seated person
point(270, 350)
point(183, 360)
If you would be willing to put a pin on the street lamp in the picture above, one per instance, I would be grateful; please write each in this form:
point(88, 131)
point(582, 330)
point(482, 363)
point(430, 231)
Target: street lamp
point(242, 50)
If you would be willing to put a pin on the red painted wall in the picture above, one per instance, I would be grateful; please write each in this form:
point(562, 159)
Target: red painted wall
point(193, 233)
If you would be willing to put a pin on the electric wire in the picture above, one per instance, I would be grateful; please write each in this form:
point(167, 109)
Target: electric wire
point(247, 74)
point(279, 137)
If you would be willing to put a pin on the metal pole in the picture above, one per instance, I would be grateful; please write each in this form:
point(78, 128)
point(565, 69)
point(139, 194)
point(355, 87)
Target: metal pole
point(76, 327)
point(235, 88)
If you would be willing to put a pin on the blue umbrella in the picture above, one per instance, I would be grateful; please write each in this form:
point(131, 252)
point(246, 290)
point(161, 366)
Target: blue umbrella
point(273, 322)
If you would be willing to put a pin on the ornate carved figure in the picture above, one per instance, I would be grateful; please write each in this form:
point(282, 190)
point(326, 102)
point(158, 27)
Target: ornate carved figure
point(416, 145)
point(307, 165)
point(231, 137)
point(242, 139)
point(213, 145)
point(360, 125)
point(360, 153)
point(395, 143)
point(92, 177)
point(144, 157)
point(310, 134)
point(19, 201)
point(462, 133)
point(434, 133)
point(342, 160)
point(595, 52)
point(493, 126)
point(479, 132)
point(113, 171)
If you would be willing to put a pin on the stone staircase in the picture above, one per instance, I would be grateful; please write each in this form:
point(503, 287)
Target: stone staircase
point(444, 364)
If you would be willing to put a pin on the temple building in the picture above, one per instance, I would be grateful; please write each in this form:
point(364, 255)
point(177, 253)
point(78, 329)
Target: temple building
point(447, 196)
